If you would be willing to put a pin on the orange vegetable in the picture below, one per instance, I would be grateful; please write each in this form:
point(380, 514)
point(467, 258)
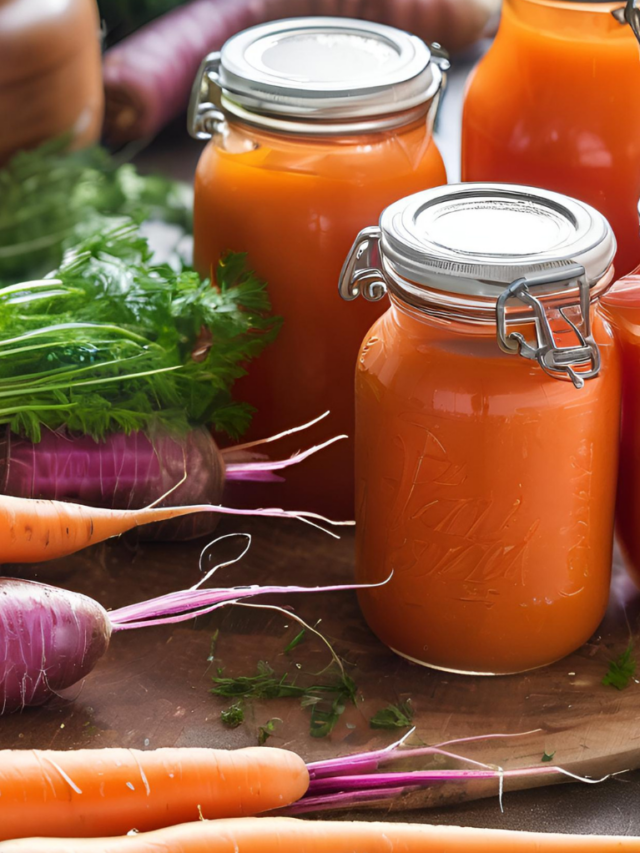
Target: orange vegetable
point(288, 835)
point(32, 531)
point(90, 792)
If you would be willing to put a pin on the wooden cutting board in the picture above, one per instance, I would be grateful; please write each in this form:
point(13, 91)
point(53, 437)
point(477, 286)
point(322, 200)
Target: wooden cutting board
point(152, 688)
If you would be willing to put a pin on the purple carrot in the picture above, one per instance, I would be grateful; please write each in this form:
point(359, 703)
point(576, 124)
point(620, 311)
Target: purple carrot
point(51, 638)
point(148, 76)
point(134, 471)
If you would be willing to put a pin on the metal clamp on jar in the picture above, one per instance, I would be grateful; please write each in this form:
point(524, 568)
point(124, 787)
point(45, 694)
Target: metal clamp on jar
point(485, 488)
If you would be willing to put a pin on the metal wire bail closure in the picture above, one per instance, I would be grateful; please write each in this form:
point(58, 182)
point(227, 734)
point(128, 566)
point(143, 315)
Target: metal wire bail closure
point(558, 362)
point(361, 274)
point(629, 14)
point(204, 116)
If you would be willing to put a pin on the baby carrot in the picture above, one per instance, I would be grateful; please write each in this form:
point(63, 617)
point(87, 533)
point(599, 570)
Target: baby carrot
point(91, 792)
point(32, 531)
point(289, 835)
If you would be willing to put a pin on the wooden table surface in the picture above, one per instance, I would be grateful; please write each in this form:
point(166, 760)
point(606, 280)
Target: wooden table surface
point(152, 688)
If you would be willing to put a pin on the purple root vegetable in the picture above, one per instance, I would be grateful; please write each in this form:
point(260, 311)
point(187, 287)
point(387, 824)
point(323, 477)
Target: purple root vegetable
point(148, 76)
point(134, 471)
point(51, 638)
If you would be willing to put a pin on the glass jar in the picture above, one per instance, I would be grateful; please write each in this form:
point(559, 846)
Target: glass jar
point(50, 73)
point(554, 104)
point(323, 123)
point(622, 305)
point(485, 482)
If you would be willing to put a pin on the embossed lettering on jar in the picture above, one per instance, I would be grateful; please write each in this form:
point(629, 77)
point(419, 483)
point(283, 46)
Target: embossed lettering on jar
point(486, 427)
point(324, 122)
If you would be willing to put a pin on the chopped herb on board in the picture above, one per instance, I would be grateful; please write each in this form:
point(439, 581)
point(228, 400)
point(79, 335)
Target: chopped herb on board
point(233, 716)
point(547, 756)
point(326, 700)
point(295, 642)
point(621, 670)
point(265, 732)
point(393, 717)
point(214, 643)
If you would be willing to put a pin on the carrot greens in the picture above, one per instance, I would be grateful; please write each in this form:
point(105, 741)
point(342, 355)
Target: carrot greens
point(51, 198)
point(111, 342)
point(393, 717)
point(233, 716)
point(326, 700)
point(621, 670)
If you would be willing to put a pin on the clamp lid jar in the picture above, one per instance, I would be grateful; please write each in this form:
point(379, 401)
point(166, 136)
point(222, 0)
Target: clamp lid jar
point(516, 256)
point(487, 420)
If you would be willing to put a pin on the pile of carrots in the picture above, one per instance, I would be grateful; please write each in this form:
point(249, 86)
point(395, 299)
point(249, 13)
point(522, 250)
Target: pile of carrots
point(204, 801)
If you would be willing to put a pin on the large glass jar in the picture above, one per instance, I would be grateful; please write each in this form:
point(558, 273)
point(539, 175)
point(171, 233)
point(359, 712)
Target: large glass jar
point(487, 421)
point(324, 122)
point(554, 104)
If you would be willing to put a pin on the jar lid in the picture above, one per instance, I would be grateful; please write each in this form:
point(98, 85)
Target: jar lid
point(326, 68)
point(477, 238)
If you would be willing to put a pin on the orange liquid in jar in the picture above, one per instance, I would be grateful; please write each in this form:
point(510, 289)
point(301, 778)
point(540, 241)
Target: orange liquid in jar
point(295, 205)
point(487, 488)
point(554, 104)
point(622, 304)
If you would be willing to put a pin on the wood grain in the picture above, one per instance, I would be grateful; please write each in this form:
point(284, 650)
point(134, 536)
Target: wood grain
point(153, 687)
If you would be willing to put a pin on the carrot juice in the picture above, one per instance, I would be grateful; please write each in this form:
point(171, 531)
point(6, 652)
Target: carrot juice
point(622, 304)
point(293, 194)
point(554, 104)
point(485, 481)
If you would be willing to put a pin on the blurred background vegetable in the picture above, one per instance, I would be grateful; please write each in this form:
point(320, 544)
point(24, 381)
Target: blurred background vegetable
point(148, 76)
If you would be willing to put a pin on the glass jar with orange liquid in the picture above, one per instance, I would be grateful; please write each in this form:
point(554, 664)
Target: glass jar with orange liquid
point(322, 122)
point(554, 104)
point(487, 417)
point(622, 305)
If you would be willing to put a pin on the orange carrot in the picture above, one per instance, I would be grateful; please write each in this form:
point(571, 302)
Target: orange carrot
point(90, 792)
point(289, 835)
point(32, 531)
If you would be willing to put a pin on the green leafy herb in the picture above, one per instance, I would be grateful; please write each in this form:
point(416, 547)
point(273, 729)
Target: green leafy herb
point(393, 717)
point(621, 670)
point(233, 716)
point(51, 198)
point(265, 732)
point(113, 343)
point(327, 701)
point(214, 643)
point(295, 642)
point(547, 756)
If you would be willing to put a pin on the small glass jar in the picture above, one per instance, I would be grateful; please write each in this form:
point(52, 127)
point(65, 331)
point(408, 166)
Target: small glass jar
point(487, 416)
point(322, 123)
point(554, 103)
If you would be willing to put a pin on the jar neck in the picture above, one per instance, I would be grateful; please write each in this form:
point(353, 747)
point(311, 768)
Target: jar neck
point(423, 115)
point(565, 19)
